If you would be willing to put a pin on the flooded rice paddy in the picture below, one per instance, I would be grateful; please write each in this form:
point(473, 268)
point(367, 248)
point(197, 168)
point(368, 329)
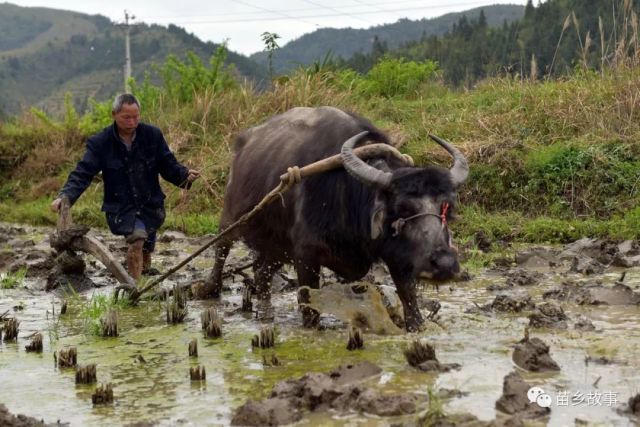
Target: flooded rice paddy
point(148, 363)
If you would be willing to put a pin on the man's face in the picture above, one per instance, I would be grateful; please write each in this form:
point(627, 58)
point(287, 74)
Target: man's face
point(127, 118)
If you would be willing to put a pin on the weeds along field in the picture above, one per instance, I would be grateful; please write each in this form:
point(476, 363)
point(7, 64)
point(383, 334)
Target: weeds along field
point(551, 160)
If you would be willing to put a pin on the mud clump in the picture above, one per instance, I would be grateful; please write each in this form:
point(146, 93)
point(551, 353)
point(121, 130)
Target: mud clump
point(482, 241)
point(623, 254)
point(422, 355)
point(522, 277)
point(548, 315)
point(533, 355)
point(537, 258)
point(586, 266)
point(339, 390)
point(514, 400)
point(268, 412)
point(583, 324)
point(467, 420)
point(7, 419)
point(511, 303)
point(70, 263)
point(594, 294)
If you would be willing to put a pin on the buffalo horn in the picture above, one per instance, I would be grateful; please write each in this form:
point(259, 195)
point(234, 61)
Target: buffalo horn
point(460, 169)
point(358, 168)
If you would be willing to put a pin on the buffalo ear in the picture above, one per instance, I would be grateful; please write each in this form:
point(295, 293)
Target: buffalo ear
point(377, 219)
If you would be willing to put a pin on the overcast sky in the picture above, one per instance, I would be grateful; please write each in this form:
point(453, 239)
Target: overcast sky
point(241, 22)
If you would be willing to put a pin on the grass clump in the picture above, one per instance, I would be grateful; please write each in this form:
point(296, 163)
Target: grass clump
point(12, 280)
point(96, 308)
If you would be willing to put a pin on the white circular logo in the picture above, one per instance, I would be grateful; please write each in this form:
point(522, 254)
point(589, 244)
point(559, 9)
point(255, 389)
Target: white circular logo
point(544, 400)
point(533, 394)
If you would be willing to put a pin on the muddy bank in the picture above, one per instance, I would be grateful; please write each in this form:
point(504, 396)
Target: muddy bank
point(533, 355)
point(7, 419)
point(149, 364)
point(550, 315)
point(515, 400)
point(340, 390)
point(593, 294)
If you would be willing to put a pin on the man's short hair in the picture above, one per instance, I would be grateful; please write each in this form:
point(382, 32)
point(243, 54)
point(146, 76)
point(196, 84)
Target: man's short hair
point(124, 98)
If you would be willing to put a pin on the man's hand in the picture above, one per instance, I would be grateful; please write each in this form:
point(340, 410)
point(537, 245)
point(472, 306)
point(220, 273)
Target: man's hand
point(55, 205)
point(193, 175)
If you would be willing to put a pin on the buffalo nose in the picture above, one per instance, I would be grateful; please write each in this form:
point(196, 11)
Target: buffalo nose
point(448, 262)
point(446, 265)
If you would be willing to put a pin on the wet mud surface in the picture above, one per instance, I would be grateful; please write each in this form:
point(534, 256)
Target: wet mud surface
point(579, 305)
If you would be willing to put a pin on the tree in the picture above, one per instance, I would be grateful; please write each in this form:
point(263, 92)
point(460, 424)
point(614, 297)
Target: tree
point(270, 45)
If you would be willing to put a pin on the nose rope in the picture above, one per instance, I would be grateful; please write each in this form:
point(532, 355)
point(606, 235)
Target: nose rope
point(398, 224)
point(443, 214)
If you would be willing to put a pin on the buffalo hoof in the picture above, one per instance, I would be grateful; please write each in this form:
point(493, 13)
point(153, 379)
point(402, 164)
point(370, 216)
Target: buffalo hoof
point(264, 311)
point(205, 290)
point(414, 324)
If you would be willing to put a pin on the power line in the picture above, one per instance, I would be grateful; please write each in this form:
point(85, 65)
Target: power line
point(336, 10)
point(276, 12)
point(240, 15)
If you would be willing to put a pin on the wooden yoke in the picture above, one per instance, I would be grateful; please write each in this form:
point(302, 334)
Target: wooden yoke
point(74, 237)
point(364, 152)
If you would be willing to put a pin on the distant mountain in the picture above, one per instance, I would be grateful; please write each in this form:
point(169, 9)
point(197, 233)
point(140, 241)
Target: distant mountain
point(45, 53)
point(346, 42)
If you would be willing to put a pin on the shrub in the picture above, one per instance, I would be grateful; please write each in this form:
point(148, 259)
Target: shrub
point(396, 76)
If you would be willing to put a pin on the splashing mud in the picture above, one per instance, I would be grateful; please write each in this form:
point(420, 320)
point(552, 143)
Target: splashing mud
point(148, 363)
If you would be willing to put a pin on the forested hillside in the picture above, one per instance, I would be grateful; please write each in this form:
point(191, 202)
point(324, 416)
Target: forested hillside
point(45, 53)
point(553, 38)
point(345, 42)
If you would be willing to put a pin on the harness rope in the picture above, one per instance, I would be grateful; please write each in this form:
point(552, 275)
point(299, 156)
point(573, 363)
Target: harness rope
point(400, 222)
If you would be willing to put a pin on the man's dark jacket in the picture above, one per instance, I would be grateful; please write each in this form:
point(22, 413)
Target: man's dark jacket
point(131, 184)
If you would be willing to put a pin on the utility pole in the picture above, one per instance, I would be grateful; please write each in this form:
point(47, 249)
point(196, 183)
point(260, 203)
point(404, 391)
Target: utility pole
point(127, 50)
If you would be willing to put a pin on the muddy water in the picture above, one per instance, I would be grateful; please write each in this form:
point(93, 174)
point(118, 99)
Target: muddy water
point(148, 364)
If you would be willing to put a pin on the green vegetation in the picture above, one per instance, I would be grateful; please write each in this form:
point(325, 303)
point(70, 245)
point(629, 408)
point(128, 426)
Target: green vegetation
point(47, 53)
point(94, 309)
point(555, 38)
point(551, 160)
point(356, 45)
point(12, 280)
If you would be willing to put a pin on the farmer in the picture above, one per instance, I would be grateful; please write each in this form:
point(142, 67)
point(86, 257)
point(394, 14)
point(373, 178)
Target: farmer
point(130, 155)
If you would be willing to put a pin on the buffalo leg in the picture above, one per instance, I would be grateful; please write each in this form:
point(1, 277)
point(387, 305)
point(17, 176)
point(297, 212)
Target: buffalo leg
point(213, 284)
point(263, 271)
point(406, 288)
point(412, 317)
point(308, 275)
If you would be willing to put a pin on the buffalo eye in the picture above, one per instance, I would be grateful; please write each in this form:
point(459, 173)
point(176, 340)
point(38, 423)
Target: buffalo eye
point(406, 209)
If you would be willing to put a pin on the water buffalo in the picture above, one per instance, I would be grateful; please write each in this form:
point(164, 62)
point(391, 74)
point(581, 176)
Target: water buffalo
point(343, 219)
